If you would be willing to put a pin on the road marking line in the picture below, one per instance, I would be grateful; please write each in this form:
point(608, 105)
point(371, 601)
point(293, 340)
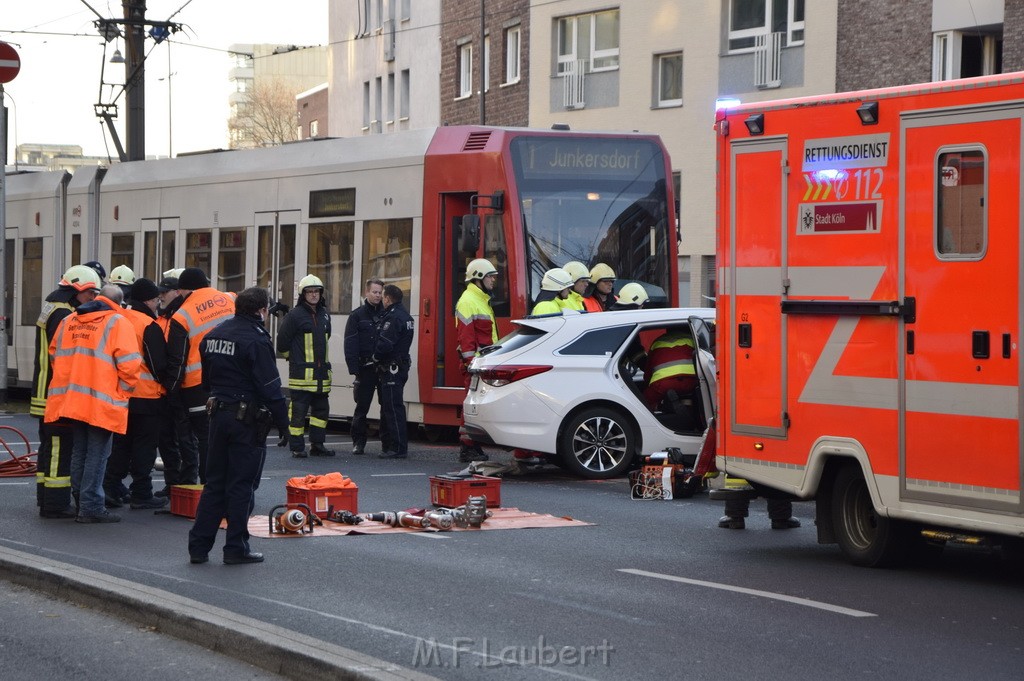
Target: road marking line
point(396, 475)
point(13, 483)
point(429, 535)
point(754, 592)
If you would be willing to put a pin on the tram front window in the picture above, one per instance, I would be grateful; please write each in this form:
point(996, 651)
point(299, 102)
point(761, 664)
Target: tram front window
point(595, 200)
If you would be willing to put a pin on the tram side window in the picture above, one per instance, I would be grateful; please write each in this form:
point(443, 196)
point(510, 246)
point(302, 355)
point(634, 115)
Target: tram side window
point(285, 269)
point(330, 257)
point(231, 261)
point(76, 250)
point(198, 251)
point(960, 214)
point(9, 288)
point(387, 253)
point(495, 251)
point(150, 267)
point(122, 251)
point(31, 279)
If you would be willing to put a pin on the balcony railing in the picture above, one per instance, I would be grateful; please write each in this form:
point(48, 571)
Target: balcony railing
point(768, 60)
point(573, 84)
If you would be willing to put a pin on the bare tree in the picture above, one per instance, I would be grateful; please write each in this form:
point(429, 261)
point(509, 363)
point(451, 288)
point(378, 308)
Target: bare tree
point(268, 119)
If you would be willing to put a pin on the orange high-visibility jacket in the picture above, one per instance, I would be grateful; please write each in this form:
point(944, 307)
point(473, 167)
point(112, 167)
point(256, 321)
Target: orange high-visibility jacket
point(95, 358)
point(148, 387)
point(203, 310)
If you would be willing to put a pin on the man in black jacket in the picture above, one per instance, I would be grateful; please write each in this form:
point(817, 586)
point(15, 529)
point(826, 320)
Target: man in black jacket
point(302, 339)
point(391, 355)
point(360, 343)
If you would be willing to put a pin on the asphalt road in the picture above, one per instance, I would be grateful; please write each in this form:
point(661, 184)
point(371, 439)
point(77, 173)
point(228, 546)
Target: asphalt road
point(651, 588)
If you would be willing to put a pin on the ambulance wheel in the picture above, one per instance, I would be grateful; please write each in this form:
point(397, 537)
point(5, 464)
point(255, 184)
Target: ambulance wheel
point(867, 539)
point(597, 443)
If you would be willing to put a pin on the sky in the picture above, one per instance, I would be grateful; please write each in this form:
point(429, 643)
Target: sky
point(51, 100)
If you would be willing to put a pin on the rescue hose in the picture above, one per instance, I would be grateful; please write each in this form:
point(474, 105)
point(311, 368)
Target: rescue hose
point(17, 466)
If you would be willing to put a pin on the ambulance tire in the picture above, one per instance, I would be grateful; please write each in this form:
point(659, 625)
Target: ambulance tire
point(598, 443)
point(867, 539)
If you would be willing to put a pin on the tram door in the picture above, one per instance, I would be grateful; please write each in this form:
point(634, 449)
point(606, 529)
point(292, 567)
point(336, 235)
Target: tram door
point(275, 256)
point(158, 244)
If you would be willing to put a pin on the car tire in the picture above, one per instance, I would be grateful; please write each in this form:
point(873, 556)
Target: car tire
point(598, 443)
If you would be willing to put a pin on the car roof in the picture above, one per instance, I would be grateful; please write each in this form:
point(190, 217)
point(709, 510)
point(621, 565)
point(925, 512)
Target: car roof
point(655, 315)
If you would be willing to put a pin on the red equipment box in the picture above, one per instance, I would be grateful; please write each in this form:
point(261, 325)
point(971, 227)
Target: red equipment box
point(185, 499)
point(450, 491)
point(324, 501)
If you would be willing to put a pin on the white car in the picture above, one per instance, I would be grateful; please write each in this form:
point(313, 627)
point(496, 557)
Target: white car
point(569, 389)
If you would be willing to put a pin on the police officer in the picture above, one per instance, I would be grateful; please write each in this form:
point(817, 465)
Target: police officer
point(391, 355)
point(80, 284)
point(240, 373)
point(302, 339)
point(360, 343)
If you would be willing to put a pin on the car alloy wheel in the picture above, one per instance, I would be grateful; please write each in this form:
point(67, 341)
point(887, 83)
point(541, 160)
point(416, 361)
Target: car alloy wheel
point(598, 443)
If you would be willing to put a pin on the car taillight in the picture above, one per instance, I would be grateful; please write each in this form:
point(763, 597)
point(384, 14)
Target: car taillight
point(511, 373)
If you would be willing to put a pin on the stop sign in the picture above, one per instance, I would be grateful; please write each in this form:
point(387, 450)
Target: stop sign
point(10, 64)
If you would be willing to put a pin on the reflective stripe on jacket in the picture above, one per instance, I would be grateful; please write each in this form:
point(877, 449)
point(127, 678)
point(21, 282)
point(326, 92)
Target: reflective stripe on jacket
point(474, 322)
point(670, 355)
point(303, 338)
point(149, 387)
point(202, 311)
point(42, 373)
point(96, 359)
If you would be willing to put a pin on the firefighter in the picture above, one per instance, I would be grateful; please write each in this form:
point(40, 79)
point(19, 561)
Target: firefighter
point(96, 364)
point(79, 285)
point(554, 291)
point(475, 329)
point(780, 512)
point(123, 276)
point(302, 339)
point(194, 314)
point(632, 296)
point(391, 357)
point(669, 366)
point(360, 342)
point(580, 281)
point(240, 374)
point(602, 281)
point(135, 452)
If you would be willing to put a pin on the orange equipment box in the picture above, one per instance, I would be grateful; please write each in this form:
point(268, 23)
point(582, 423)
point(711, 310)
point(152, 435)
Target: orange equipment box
point(185, 499)
point(450, 491)
point(324, 501)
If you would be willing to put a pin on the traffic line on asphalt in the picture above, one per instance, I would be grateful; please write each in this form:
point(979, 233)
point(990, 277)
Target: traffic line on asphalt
point(16, 483)
point(754, 592)
point(396, 475)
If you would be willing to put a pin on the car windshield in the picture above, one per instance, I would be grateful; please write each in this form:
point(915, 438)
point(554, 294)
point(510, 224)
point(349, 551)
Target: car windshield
point(595, 200)
point(519, 338)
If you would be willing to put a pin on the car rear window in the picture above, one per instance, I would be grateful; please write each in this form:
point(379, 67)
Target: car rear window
point(599, 341)
point(520, 338)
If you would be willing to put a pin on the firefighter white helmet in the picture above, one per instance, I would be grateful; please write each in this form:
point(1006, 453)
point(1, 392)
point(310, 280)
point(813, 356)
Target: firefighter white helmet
point(310, 281)
point(601, 271)
point(633, 294)
point(556, 279)
point(479, 268)
point(576, 270)
point(123, 275)
point(82, 278)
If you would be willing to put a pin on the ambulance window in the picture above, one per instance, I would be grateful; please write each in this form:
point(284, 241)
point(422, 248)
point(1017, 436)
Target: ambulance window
point(960, 197)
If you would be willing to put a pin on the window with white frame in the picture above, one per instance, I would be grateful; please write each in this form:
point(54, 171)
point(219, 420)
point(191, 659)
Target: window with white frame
point(403, 102)
point(669, 79)
point(749, 19)
point(956, 54)
point(466, 70)
point(513, 41)
point(590, 38)
point(314, 128)
point(366, 105)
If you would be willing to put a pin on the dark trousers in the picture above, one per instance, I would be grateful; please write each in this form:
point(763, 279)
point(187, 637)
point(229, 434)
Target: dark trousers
point(778, 509)
point(364, 388)
point(134, 453)
point(53, 467)
point(317, 405)
point(232, 475)
point(194, 401)
point(392, 409)
point(178, 447)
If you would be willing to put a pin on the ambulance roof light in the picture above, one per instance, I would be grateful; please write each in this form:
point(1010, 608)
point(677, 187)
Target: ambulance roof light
point(868, 113)
point(755, 124)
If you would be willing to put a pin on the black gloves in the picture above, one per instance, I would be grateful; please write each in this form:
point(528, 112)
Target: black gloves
point(277, 308)
point(282, 436)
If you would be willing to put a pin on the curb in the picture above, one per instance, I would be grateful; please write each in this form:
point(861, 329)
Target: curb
point(275, 649)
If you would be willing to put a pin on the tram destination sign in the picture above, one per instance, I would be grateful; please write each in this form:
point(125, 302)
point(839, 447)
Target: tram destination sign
point(330, 203)
point(550, 158)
